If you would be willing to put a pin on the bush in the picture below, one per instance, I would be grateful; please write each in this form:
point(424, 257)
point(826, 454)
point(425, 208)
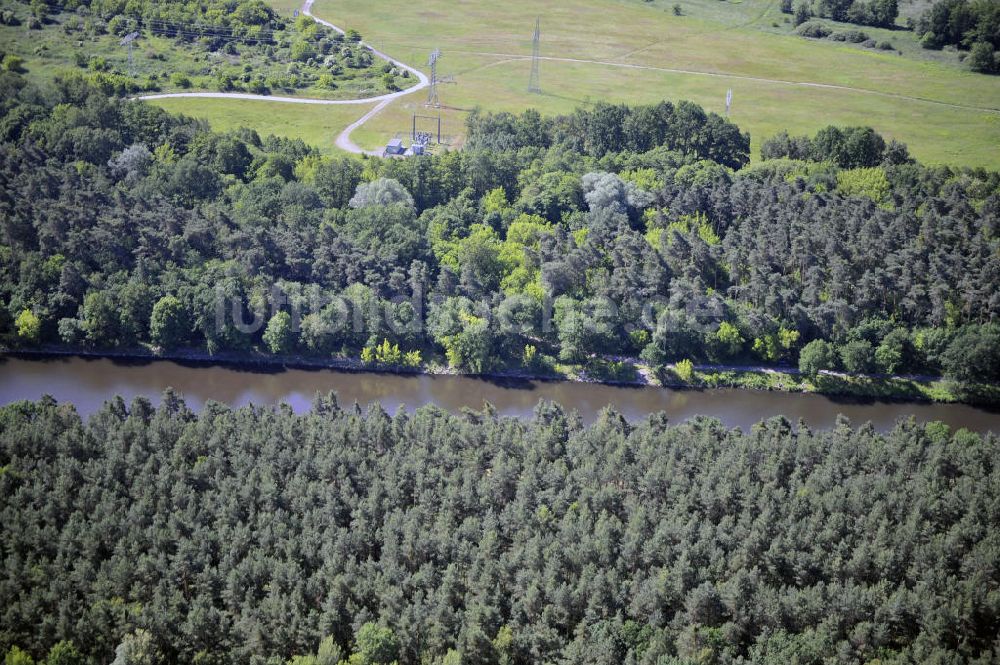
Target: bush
point(813, 30)
point(13, 63)
point(258, 87)
point(302, 51)
point(225, 82)
point(611, 370)
point(8, 18)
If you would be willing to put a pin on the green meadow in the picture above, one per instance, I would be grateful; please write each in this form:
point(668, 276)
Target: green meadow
point(315, 124)
point(633, 51)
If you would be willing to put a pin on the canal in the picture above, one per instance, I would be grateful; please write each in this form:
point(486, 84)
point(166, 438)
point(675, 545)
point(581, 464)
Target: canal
point(87, 383)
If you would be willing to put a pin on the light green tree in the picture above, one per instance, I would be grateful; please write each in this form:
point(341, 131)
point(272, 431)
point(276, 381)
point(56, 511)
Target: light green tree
point(15, 656)
point(329, 652)
point(376, 645)
point(168, 325)
point(28, 326)
point(727, 341)
point(684, 369)
point(815, 356)
point(136, 649)
point(64, 653)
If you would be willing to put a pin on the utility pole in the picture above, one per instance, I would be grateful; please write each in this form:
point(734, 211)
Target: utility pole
point(127, 41)
point(533, 84)
point(432, 95)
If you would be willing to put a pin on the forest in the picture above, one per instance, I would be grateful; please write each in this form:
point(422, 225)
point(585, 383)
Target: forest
point(153, 536)
point(881, 13)
point(615, 231)
point(973, 25)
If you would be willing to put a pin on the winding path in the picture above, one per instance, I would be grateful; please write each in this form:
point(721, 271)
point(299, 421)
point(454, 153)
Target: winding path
point(343, 140)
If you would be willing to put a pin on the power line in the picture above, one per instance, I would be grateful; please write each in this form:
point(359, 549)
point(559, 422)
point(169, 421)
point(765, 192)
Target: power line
point(432, 93)
point(127, 41)
point(533, 83)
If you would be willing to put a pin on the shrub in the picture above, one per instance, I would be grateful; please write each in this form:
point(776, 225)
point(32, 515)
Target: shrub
point(611, 370)
point(813, 30)
point(7, 17)
point(302, 51)
point(13, 63)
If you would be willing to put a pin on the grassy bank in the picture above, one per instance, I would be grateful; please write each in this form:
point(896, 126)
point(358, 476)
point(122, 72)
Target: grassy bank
point(869, 387)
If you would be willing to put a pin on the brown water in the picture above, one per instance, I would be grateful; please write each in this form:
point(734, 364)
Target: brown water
point(87, 383)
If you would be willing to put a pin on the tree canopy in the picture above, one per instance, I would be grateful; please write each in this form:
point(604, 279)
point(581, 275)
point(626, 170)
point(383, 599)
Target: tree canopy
point(124, 226)
point(156, 536)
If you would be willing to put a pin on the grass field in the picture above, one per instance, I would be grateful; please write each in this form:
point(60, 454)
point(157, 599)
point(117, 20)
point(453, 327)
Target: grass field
point(640, 52)
point(316, 125)
point(627, 43)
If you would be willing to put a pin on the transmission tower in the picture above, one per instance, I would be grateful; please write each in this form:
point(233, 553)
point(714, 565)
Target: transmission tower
point(533, 85)
point(127, 41)
point(432, 95)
